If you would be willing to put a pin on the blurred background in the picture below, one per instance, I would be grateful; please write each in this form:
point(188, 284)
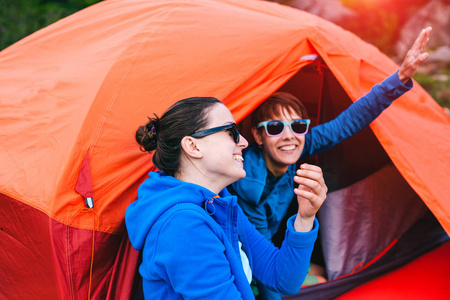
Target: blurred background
point(390, 25)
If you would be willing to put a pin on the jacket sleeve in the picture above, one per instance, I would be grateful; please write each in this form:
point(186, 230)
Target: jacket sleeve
point(192, 258)
point(357, 116)
point(282, 270)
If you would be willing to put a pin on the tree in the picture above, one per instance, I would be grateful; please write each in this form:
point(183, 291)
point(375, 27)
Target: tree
point(20, 18)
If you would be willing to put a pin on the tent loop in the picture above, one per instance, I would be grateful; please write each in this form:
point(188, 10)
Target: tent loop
point(84, 182)
point(89, 202)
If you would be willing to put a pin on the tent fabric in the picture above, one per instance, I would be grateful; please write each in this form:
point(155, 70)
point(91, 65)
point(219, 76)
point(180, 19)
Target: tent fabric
point(372, 220)
point(45, 259)
point(423, 237)
point(415, 281)
point(65, 74)
point(353, 207)
point(84, 181)
point(80, 88)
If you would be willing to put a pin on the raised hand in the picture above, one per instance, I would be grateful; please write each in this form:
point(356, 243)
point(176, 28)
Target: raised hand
point(415, 56)
point(311, 193)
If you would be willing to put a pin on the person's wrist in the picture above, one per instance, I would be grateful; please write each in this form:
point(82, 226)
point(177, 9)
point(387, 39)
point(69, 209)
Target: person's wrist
point(302, 224)
point(403, 78)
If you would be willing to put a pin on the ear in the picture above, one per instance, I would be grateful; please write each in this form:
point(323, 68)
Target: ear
point(257, 135)
point(190, 148)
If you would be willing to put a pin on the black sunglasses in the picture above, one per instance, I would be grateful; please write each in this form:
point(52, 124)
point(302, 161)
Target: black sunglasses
point(231, 128)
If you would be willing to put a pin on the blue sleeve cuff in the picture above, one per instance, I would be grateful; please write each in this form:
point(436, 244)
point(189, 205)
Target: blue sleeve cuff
point(301, 239)
point(390, 89)
point(394, 82)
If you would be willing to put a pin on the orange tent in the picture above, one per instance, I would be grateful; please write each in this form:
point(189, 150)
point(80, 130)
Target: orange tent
point(73, 94)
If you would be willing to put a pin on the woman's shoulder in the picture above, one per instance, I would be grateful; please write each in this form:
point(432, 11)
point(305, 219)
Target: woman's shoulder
point(185, 210)
point(186, 216)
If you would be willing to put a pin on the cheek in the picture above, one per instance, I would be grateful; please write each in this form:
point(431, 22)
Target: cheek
point(270, 142)
point(257, 137)
point(301, 140)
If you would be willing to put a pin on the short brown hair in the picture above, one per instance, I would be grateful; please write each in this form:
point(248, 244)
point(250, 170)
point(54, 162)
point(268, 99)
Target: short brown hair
point(273, 105)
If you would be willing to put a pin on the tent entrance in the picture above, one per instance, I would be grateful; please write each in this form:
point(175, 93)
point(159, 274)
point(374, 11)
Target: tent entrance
point(371, 213)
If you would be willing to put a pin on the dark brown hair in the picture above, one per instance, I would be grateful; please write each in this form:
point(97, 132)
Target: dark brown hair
point(274, 105)
point(163, 135)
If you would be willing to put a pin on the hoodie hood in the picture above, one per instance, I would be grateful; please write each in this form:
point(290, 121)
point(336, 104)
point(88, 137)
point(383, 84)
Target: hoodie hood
point(155, 196)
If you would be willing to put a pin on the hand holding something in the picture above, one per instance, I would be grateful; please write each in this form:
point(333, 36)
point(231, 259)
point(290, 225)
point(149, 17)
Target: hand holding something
point(311, 194)
point(415, 56)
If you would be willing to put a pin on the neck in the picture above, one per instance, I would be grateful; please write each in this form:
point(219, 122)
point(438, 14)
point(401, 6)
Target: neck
point(276, 169)
point(193, 175)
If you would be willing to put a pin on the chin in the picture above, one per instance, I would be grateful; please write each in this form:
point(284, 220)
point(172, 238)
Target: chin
point(288, 162)
point(292, 159)
point(242, 175)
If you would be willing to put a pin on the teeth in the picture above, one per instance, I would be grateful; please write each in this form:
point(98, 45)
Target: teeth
point(287, 148)
point(238, 157)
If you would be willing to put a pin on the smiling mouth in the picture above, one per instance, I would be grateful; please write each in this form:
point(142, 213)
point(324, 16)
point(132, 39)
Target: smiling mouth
point(288, 148)
point(238, 157)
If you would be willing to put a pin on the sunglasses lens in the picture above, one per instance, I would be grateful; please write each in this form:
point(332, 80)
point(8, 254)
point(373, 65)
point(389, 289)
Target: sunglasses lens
point(274, 128)
point(299, 127)
point(234, 133)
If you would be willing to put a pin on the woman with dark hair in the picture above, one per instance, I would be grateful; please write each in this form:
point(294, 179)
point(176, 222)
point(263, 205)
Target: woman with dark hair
point(196, 242)
point(280, 129)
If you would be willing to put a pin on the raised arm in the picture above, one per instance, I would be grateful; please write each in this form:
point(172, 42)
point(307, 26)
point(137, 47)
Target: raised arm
point(415, 56)
point(361, 113)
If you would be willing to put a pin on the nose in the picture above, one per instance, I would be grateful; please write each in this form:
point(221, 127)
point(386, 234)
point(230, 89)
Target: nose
point(287, 133)
point(243, 143)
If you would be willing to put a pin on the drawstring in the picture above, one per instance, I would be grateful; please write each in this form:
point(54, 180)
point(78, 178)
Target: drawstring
point(211, 201)
point(94, 214)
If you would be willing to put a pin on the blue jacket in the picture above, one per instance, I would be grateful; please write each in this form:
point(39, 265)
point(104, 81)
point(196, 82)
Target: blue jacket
point(267, 214)
point(189, 241)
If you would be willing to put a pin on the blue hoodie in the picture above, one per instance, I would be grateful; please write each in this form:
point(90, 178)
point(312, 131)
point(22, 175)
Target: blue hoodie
point(189, 240)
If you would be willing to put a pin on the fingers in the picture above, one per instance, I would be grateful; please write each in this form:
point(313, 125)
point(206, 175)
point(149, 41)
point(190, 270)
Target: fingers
point(422, 57)
point(417, 62)
point(310, 181)
point(414, 57)
point(422, 40)
point(426, 38)
point(311, 193)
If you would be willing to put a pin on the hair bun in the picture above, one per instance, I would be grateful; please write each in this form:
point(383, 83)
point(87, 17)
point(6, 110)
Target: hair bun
point(147, 135)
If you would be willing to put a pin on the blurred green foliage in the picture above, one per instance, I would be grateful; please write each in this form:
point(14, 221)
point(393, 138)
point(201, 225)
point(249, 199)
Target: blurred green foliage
point(19, 18)
point(437, 85)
